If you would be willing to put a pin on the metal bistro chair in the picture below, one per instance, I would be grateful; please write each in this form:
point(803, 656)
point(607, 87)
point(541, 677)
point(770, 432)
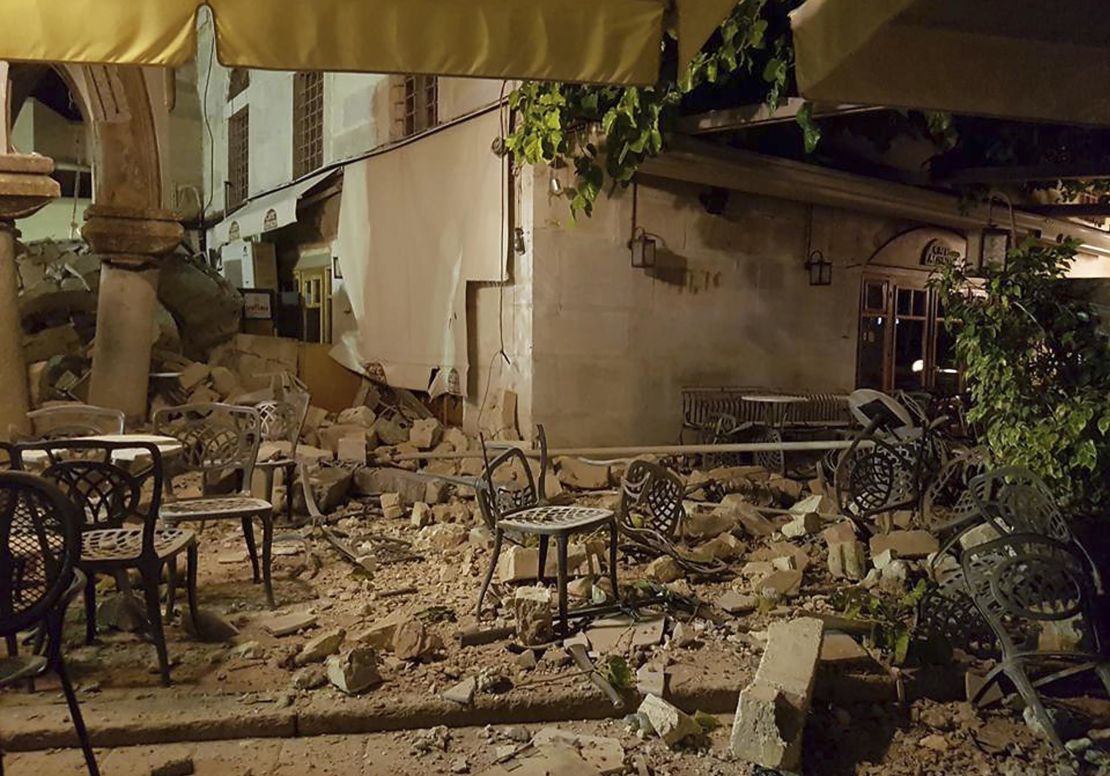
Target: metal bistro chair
point(1018, 501)
point(39, 545)
point(519, 511)
point(119, 531)
point(651, 515)
point(1022, 583)
point(282, 421)
point(66, 421)
point(220, 439)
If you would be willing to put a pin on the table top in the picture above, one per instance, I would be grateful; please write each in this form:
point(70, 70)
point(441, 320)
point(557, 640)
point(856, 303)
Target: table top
point(166, 445)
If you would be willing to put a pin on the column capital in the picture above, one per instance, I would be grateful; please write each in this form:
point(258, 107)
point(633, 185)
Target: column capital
point(25, 185)
point(131, 237)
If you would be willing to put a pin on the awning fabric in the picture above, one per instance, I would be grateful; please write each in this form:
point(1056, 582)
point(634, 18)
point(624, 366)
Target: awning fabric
point(406, 282)
point(266, 213)
point(606, 41)
point(1019, 59)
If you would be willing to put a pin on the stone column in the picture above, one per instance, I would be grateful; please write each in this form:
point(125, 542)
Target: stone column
point(130, 242)
point(25, 187)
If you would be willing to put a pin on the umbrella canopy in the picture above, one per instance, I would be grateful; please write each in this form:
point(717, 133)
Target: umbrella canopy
point(599, 41)
point(1019, 59)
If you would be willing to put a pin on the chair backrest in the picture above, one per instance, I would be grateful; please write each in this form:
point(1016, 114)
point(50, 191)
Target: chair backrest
point(281, 421)
point(1022, 581)
point(508, 484)
point(215, 438)
point(1021, 501)
point(39, 544)
point(876, 408)
point(881, 477)
point(106, 490)
point(651, 498)
point(66, 421)
point(949, 499)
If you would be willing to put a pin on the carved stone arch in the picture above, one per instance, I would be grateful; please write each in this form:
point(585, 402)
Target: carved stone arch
point(126, 224)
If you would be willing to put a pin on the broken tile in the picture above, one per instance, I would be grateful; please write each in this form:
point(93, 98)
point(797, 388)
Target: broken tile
point(288, 624)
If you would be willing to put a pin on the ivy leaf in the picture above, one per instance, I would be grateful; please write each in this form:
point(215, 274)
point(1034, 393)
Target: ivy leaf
point(811, 133)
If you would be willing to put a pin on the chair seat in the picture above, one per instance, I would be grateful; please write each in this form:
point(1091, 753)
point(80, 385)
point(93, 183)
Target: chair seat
point(116, 544)
point(20, 667)
point(214, 508)
point(556, 519)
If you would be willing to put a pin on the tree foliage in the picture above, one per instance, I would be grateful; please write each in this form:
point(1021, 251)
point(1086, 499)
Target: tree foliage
point(1037, 369)
point(568, 124)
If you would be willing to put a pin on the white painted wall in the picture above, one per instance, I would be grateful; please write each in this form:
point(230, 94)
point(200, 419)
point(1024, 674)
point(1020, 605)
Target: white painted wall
point(730, 304)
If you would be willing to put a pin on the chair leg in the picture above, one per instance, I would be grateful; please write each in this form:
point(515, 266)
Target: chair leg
point(561, 546)
point(90, 608)
point(290, 472)
point(268, 556)
point(498, 536)
point(541, 576)
point(614, 536)
point(154, 614)
point(191, 584)
point(75, 712)
point(252, 550)
point(171, 587)
point(1029, 694)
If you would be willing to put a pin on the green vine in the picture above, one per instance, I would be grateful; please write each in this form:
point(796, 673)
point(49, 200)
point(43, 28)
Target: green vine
point(606, 132)
point(1037, 369)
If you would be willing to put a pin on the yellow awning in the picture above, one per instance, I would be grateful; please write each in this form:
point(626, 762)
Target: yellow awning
point(1020, 59)
point(603, 41)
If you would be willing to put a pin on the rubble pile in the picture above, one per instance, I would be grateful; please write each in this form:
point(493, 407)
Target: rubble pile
point(58, 307)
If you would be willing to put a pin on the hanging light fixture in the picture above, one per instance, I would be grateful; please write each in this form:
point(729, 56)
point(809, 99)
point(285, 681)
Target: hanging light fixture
point(820, 269)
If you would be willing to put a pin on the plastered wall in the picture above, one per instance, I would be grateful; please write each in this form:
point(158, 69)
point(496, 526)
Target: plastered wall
point(729, 303)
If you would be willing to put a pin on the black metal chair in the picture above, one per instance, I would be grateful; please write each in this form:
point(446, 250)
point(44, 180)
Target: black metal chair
point(651, 514)
point(1018, 501)
point(119, 530)
point(1021, 583)
point(513, 506)
point(220, 440)
point(66, 421)
point(39, 547)
point(282, 421)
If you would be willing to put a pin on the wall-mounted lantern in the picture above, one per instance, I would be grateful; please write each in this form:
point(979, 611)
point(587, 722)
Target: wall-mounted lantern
point(819, 268)
point(642, 247)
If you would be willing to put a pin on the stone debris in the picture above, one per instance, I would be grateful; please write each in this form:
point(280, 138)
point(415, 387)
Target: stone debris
point(354, 671)
point(671, 724)
point(905, 544)
point(532, 610)
point(734, 602)
point(320, 647)
point(785, 582)
point(425, 433)
point(444, 536)
point(604, 754)
point(803, 524)
point(463, 692)
point(842, 649)
point(747, 515)
point(421, 515)
point(289, 624)
point(576, 473)
point(663, 569)
point(210, 627)
point(392, 506)
point(771, 713)
point(178, 766)
point(412, 641)
point(848, 560)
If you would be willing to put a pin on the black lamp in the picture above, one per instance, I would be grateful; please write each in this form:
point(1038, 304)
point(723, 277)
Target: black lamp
point(820, 269)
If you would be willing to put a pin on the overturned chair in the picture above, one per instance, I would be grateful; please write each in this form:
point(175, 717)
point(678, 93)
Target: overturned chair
point(651, 516)
point(1033, 592)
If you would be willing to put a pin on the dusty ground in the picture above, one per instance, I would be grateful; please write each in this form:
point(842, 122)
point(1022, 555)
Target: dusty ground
point(857, 727)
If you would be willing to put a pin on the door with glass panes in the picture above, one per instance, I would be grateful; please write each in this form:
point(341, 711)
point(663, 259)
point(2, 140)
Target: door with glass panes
point(903, 343)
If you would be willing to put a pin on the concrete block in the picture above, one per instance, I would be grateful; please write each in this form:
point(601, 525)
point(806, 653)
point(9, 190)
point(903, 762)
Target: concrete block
point(844, 531)
point(357, 416)
point(575, 473)
point(374, 481)
point(425, 433)
point(706, 525)
point(671, 724)
point(316, 649)
point(193, 375)
point(787, 583)
point(747, 515)
point(421, 515)
point(906, 544)
point(355, 671)
point(329, 437)
point(532, 609)
point(771, 713)
point(392, 505)
point(803, 525)
point(663, 569)
point(352, 448)
point(848, 560)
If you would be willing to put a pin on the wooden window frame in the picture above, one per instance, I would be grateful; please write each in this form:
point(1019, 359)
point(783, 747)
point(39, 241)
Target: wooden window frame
point(238, 158)
point(308, 123)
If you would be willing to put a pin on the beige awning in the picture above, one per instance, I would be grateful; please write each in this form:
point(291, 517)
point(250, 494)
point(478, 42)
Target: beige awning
point(1020, 59)
point(605, 41)
point(266, 212)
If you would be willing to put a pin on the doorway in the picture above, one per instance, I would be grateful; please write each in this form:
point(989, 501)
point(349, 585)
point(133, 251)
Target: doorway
point(903, 343)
